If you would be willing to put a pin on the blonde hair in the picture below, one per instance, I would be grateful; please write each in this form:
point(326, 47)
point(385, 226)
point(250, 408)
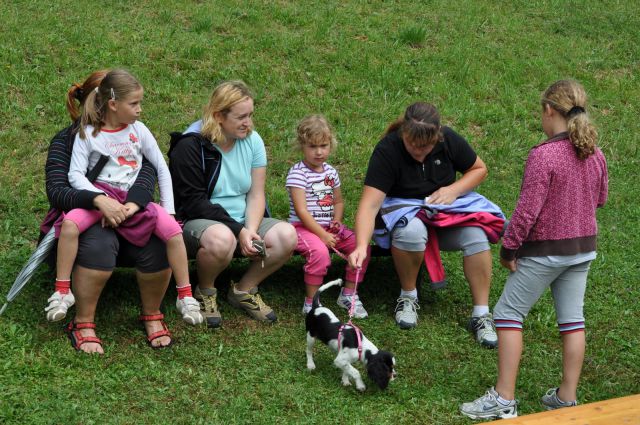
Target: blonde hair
point(224, 97)
point(313, 130)
point(116, 85)
point(569, 99)
point(419, 126)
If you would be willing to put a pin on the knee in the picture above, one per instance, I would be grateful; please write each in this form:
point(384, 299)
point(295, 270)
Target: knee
point(69, 229)
point(319, 257)
point(218, 241)
point(282, 236)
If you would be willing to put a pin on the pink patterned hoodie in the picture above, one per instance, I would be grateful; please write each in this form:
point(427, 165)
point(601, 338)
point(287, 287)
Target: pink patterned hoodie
point(556, 210)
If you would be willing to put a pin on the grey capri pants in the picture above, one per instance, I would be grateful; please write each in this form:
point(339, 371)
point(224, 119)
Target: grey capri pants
point(413, 237)
point(532, 277)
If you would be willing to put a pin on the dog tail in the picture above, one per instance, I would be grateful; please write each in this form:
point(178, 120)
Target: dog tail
point(316, 297)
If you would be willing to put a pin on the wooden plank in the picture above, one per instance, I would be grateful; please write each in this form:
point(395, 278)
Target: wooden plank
point(617, 411)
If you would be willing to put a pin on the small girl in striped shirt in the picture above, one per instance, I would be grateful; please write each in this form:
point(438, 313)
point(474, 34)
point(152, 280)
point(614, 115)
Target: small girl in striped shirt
point(316, 211)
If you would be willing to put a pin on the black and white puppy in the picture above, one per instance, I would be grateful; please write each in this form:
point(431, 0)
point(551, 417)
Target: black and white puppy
point(322, 324)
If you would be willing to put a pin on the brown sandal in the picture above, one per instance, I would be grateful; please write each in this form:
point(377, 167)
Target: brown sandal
point(77, 339)
point(158, 334)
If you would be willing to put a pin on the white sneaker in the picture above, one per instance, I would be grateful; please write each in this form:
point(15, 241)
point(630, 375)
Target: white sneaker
point(58, 306)
point(359, 312)
point(189, 307)
point(407, 312)
point(306, 308)
point(484, 330)
point(488, 407)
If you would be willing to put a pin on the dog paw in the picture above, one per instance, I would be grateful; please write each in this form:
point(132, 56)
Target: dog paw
point(346, 383)
point(311, 366)
point(361, 388)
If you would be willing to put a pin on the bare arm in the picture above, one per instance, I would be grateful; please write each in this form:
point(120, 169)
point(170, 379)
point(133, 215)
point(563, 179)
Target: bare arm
point(370, 203)
point(470, 179)
point(256, 204)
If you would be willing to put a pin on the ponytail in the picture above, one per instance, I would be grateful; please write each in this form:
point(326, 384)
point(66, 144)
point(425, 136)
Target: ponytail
point(78, 92)
point(569, 99)
point(92, 113)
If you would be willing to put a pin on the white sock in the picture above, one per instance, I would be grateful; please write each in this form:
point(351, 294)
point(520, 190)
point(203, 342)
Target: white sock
point(503, 401)
point(411, 294)
point(480, 310)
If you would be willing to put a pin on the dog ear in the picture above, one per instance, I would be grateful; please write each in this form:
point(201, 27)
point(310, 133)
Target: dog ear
point(379, 372)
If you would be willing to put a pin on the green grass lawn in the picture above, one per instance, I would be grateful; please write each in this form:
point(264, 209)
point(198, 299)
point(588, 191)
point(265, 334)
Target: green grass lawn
point(484, 64)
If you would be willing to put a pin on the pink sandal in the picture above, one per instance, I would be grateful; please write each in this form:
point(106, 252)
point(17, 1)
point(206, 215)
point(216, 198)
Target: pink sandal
point(158, 334)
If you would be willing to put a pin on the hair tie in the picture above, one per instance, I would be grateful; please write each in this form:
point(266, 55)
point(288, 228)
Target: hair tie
point(78, 93)
point(575, 111)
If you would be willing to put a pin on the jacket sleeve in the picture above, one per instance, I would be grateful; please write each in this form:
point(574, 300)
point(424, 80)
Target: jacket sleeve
point(141, 193)
point(190, 185)
point(60, 193)
point(535, 185)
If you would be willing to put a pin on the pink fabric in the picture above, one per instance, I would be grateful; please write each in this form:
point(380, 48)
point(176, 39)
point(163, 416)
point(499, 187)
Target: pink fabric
point(491, 224)
point(317, 255)
point(137, 229)
point(559, 195)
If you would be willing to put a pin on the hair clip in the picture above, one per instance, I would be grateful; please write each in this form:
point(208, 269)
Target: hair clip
point(96, 89)
point(113, 94)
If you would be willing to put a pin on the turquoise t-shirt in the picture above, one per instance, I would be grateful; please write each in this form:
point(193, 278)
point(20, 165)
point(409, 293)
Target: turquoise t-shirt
point(234, 181)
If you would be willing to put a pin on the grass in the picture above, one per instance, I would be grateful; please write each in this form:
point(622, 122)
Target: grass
point(360, 63)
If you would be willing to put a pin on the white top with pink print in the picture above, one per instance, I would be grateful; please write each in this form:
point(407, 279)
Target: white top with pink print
point(125, 148)
point(318, 188)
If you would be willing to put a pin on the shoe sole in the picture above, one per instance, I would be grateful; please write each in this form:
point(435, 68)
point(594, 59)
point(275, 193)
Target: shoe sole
point(57, 316)
point(405, 325)
point(491, 416)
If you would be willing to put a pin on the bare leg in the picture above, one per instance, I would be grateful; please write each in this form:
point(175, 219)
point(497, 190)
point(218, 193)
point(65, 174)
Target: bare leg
point(280, 241)
point(152, 289)
point(177, 256)
point(67, 249)
point(311, 290)
point(573, 346)
point(216, 251)
point(509, 353)
point(477, 270)
point(407, 264)
point(87, 287)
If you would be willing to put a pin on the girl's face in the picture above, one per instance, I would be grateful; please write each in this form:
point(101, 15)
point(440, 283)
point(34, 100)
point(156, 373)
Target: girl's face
point(127, 110)
point(316, 154)
point(237, 124)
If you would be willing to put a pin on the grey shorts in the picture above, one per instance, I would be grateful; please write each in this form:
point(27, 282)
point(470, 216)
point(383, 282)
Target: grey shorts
point(193, 230)
point(413, 237)
point(527, 284)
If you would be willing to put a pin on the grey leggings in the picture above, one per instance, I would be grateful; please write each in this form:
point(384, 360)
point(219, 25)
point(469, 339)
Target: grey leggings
point(413, 237)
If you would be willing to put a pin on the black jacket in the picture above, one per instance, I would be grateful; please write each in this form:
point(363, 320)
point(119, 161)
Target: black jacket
point(194, 164)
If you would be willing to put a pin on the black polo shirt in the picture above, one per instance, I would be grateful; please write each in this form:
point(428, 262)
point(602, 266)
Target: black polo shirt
point(394, 171)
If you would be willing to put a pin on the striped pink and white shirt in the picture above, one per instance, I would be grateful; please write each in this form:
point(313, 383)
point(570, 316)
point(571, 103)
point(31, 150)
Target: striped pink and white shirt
point(318, 188)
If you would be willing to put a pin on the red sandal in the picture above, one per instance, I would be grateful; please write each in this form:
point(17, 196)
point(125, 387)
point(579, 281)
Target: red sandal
point(158, 334)
point(77, 339)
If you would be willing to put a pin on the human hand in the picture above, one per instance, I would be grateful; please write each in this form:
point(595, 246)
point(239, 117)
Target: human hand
point(132, 208)
point(329, 239)
point(508, 264)
point(357, 257)
point(245, 240)
point(443, 196)
point(113, 212)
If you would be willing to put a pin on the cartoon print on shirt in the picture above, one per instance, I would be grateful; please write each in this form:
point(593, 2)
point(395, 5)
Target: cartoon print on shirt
point(126, 152)
point(323, 190)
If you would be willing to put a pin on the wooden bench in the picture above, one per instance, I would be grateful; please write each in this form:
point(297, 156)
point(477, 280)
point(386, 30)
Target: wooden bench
point(617, 411)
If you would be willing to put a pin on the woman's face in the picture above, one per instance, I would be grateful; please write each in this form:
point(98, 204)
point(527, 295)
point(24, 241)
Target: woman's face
point(237, 124)
point(419, 152)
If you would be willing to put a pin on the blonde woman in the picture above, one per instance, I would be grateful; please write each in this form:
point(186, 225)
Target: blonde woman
point(219, 170)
